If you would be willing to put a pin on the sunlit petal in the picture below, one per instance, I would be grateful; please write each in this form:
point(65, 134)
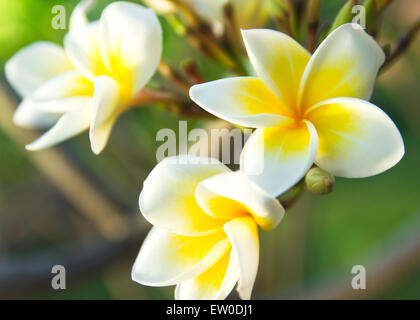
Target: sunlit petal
point(278, 60)
point(70, 124)
point(233, 194)
point(168, 196)
point(356, 138)
point(167, 259)
point(131, 43)
point(344, 65)
point(78, 18)
point(27, 115)
point(62, 93)
point(244, 101)
point(277, 158)
point(243, 235)
point(105, 111)
point(214, 284)
point(33, 65)
point(82, 48)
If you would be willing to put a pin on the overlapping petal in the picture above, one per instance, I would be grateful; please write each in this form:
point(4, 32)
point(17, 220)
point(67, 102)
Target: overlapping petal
point(131, 43)
point(277, 158)
point(53, 98)
point(279, 61)
point(214, 284)
point(344, 65)
point(62, 93)
point(166, 258)
point(69, 125)
point(82, 47)
point(28, 116)
point(168, 196)
point(232, 195)
point(356, 138)
point(33, 65)
point(243, 235)
point(244, 101)
point(105, 110)
point(78, 18)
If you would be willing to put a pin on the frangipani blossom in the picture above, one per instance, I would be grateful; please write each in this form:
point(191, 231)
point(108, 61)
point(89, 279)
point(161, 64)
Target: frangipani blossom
point(205, 222)
point(248, 13)
point(93, 80)
point(307, 109)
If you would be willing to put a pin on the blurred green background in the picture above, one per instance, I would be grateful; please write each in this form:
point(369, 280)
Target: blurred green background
point(373, 222)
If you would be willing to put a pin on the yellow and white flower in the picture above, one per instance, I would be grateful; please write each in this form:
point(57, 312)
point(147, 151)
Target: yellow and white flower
point(248, 13)
point(205, 234)
point(92, 81)
point(307, 109)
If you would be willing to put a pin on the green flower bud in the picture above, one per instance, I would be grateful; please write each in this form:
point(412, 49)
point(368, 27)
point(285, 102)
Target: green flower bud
point(319, 181)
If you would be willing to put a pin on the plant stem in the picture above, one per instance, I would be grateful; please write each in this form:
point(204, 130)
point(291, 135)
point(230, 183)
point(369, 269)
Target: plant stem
point(403, 44)
point(313, 9)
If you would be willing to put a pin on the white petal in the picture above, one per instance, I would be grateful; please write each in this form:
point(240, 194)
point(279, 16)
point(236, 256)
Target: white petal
point(356, 138)
point(33, 65)
point(82, 48)
point(28, 116)
point(62, 93)
point(344, 65)
point(214, 194)
point(168, 196)
point(277, 158)
point(167, 259)
point(214, 284)
point(244, 101)
point(78, 18)
point(243, 235)
point(105, 111)
point(278, 60)
point(130, 42)
point(70, 124)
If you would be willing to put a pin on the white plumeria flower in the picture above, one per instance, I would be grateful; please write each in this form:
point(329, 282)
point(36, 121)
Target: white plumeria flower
point(205, 222)
point(248, 13)
point(307, 109)
point(92, 81)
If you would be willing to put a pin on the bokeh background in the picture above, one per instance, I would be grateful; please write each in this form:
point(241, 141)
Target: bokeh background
point(67, 206)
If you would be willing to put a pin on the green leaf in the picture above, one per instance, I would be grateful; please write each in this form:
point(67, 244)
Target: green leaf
point(344, 15)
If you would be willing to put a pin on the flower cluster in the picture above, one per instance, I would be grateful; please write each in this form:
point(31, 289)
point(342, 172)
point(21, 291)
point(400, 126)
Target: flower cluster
point(306, 109)
point(90, 82)
point(205, 237)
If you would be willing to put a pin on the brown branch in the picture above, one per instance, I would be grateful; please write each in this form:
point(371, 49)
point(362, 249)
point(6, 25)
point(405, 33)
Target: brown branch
point(313, 9)
point(174, 77)
point(403, 44)
point(191, 70)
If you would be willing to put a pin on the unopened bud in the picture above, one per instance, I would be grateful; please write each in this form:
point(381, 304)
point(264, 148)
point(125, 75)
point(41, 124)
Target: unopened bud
point(319, 181)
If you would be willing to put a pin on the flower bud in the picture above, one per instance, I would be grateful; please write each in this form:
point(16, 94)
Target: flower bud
point(319, 181)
